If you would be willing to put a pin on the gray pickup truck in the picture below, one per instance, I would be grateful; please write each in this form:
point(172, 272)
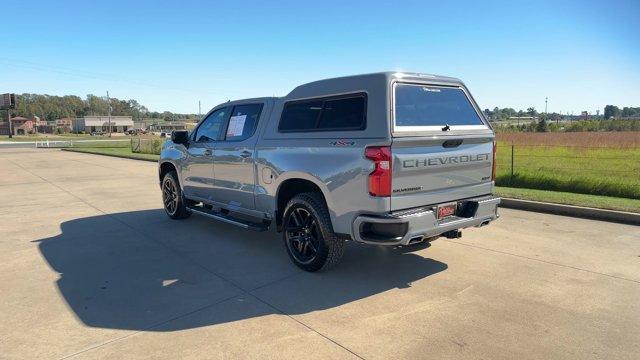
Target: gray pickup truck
point(386, 158)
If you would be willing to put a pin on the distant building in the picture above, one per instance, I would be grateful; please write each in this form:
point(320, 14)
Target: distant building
point(23, 126)
point(89, 124)
point(140, 125)
point(44, 127)
point(161, 125)
point(20, 126)
point(190, 125)
point(168, 126)
point(64, 125)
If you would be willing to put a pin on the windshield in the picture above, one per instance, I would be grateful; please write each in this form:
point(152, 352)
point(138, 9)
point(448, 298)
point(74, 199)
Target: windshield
point(422, 105)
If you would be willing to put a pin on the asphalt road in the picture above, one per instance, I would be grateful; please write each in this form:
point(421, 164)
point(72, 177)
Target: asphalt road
point(90, 267)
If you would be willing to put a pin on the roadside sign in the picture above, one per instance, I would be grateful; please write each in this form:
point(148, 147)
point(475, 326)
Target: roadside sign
point(8, 101)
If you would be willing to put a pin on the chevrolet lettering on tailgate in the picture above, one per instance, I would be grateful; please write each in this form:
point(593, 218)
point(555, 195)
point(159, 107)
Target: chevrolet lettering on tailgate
point(447, 160)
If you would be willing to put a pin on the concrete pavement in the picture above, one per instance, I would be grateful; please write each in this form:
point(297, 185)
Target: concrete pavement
point(90, 267)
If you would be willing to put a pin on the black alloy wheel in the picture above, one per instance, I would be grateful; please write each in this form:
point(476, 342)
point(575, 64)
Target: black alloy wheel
point(169, 195)
point(174, 204)
point(302, 235)
point(308, 234)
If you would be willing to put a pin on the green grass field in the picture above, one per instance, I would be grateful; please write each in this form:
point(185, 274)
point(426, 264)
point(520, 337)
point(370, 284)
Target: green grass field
point(124, 143)
point(604, 171)
point(117, 151)
point(557, 197)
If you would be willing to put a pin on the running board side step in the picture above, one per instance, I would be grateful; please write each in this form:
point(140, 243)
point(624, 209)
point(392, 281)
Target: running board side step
point(229, 219)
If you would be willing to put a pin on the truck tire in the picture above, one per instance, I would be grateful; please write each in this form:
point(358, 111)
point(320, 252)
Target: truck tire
point(308, 235)
point(174, 202)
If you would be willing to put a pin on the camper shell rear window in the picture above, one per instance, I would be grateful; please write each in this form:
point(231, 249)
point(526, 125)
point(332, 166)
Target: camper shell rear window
point(420, 107)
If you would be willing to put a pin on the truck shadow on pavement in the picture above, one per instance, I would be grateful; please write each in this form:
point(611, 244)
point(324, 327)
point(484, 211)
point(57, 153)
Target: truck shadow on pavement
point(142, 271)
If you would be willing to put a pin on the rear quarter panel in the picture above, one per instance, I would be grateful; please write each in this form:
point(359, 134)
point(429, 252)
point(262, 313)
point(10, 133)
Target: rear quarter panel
point(333, 160)
point(341, 172)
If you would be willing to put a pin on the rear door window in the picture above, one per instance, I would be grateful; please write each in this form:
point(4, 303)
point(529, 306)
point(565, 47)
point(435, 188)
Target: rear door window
point(423, 106)
point(243, 121)
point(347, 112)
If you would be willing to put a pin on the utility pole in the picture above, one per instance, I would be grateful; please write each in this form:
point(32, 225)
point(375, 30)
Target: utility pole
point(199, 111)
point(545, 104)
point(9, 121)
point(8, 102)
point(109, 105)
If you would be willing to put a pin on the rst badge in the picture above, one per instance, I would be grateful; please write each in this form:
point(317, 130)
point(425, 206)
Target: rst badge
point(342, 143)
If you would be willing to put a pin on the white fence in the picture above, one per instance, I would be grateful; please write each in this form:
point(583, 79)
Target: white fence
point(65, 143)
point(54, 144)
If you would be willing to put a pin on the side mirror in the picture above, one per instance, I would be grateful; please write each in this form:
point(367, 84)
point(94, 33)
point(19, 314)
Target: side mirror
point(180, 137)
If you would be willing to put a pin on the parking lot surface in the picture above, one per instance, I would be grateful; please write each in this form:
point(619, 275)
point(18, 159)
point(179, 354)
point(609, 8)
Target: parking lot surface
point(91, 267)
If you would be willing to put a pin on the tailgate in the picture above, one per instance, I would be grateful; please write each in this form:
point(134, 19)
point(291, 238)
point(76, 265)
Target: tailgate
point(431, 170)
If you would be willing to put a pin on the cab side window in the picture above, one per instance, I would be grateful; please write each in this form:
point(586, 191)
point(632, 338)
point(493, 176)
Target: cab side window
point(335, 113)
point(211, 127)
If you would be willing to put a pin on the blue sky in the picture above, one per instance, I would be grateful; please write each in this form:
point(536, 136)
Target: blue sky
point(170, 54)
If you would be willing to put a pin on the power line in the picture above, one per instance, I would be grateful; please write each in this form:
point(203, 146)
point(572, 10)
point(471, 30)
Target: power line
point(95, 76)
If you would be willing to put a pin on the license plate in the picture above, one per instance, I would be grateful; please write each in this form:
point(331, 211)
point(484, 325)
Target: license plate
point(446, 210)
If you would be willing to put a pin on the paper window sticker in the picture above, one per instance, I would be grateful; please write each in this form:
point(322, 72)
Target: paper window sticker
point(236, 125)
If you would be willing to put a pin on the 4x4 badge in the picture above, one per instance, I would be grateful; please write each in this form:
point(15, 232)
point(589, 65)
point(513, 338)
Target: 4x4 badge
point(342, 143)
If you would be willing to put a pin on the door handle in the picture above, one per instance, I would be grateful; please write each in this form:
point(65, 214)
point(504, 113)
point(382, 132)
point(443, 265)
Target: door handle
point(245, 154)
point(207, 152)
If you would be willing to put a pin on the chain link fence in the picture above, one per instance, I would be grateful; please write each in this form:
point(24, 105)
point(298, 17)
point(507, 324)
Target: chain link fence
point(147, 145)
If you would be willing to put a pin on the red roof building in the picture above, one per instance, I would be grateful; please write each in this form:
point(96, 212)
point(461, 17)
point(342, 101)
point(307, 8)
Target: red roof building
point(21, 125)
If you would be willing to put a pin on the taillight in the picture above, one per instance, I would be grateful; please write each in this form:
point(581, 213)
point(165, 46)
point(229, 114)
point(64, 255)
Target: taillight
point(493, 166)
point(380, 177)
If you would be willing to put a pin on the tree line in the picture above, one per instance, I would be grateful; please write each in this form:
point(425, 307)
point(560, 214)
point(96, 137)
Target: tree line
point(50, 107)
point(610, 111)
point(542, 125)
point(506, 113)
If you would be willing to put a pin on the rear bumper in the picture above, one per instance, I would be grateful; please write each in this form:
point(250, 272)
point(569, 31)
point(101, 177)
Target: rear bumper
point(408, 226)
